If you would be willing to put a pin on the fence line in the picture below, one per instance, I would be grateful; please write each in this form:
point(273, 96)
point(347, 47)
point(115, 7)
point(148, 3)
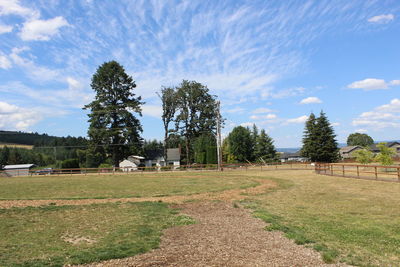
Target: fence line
point(371, 172)
point(157, 169)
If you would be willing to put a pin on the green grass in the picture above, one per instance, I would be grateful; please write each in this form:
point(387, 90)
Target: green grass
point(42, 236)
point(119, 186)
point(355, 221)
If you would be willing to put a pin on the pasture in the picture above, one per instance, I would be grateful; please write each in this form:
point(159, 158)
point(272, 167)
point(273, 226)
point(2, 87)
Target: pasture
point(346, 220)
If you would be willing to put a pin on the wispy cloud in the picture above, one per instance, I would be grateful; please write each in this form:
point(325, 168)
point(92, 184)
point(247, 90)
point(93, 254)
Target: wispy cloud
point(384, 18)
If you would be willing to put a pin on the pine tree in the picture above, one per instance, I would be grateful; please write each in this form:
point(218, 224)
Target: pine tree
point(265, 150)
point(112, 123)
point(319, 143)
point(309, 138)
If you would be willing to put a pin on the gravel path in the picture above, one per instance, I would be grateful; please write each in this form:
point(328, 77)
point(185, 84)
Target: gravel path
point(223, 236)
point(227, 195)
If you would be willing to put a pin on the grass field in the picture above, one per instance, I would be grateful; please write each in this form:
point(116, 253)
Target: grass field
point(15, 145)
point(54, 236)
point(119, 186)
point(350, 220)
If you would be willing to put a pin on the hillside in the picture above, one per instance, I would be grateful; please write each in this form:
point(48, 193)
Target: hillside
point(35, 139)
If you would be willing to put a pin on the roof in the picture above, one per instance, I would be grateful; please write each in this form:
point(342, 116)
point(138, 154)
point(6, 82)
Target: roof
point(348, 149)
point(173, 154)
point(18, 166)
point(389, 144)
point(136, 157)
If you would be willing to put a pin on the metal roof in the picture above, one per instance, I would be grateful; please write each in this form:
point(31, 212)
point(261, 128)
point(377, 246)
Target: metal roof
point(18, 166)
point(348, 149)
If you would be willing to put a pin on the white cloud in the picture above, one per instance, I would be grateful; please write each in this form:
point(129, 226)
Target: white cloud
point(13, 7)
point(381, 117)
point(395, 82)
point(247, 124)
point(263, 117)
point(361, 131)
point(311, 100)
point(262, 110)
point(42, 30)
point(5, 63)
point(335, 124)
point(152, 111)
point(5, 28)
point(382, 18)
point(16, 118)
point(301, 119)
point(373, 84)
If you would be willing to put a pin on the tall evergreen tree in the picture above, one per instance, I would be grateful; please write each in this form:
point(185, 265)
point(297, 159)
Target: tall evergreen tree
point(319, 143)
point(310, 142)
point(112, 123)
point(265, 149)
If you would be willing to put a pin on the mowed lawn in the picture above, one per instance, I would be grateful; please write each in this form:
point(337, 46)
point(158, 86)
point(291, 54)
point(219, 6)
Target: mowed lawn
point(350, 220)
point(120, 186)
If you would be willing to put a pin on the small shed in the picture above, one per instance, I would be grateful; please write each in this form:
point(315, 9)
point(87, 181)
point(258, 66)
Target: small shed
point(18, 169)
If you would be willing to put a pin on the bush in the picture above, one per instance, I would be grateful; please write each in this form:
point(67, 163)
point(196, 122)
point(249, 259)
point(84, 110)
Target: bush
point(69, 164)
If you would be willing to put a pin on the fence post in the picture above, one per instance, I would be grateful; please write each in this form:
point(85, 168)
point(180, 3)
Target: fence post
point(398, 173)
point(331, 169)
point(358, 171)
point(376, 173)
point(343, 170)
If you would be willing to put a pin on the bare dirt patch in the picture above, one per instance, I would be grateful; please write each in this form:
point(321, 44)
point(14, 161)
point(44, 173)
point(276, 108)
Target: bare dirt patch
point(228, 195)
point(223, 236)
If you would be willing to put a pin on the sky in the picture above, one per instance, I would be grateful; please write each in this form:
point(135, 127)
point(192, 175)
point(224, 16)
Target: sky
point(271, 63)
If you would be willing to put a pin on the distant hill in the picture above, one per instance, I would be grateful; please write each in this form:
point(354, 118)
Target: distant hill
point(36, 139)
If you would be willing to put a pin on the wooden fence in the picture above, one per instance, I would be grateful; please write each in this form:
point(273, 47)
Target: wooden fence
point(156, 169)
point(371, 172)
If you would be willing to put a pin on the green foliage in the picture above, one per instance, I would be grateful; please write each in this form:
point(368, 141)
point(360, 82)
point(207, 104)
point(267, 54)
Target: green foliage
point(105, 165)
point(359, 139)
point(240, 143)
point(69, 164)
point(14, 155)
point(152, 149)
point(386, 154)
point(112, 123)
point(264, 148)
point(364, 156)
point(205, 149)
point(196, 113)
point(319, 144)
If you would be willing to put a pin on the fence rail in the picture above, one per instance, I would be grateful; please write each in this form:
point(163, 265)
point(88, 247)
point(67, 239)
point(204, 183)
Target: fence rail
point(157, 169)
point(372, 172)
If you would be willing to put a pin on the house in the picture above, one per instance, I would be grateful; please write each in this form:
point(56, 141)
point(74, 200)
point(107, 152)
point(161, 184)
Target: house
point(347, 152)
point(173, 159)
point(394, 145)
point(18, 170)
point(131, 163)
point(290, 157)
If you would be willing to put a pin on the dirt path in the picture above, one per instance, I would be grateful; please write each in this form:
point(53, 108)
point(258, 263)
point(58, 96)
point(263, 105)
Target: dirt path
point(228, 195)
point(223, 236)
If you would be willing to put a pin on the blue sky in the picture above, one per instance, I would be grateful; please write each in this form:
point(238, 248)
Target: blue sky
point(269, 62)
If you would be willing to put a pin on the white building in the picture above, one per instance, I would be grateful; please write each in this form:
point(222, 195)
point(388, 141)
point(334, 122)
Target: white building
point(17, 170)
point(173, 159)
point(131, 163)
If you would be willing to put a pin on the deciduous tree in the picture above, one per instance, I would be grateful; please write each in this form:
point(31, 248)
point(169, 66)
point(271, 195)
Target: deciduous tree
point(359, 139)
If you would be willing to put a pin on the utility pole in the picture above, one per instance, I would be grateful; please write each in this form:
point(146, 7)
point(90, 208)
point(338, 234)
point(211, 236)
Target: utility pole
point(219, 152)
